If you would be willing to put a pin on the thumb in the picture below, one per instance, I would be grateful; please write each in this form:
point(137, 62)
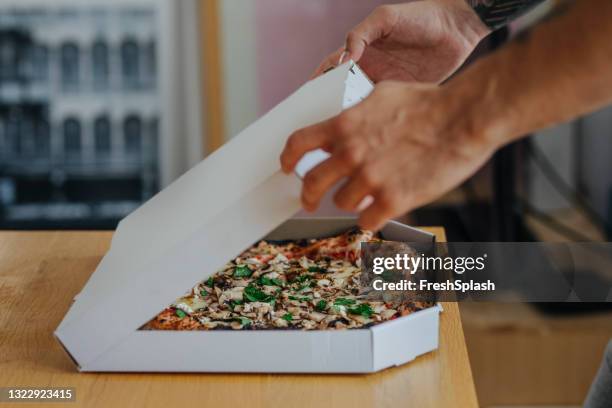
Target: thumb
point(375, 26)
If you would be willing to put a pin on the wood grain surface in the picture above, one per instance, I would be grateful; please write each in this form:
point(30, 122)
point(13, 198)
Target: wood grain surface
point(41, 272)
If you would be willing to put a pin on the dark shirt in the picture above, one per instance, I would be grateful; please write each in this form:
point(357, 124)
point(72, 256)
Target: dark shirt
point(600, 394)
point(497, 13)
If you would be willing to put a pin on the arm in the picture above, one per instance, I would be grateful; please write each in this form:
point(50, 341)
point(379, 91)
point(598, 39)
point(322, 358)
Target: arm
point(406, 145)
point(553, 73)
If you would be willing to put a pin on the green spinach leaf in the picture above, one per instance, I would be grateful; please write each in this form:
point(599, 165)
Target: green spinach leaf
point(242, 271)
point(252, 294)
point(344, 302)
point(363, 309)
point(321, 305)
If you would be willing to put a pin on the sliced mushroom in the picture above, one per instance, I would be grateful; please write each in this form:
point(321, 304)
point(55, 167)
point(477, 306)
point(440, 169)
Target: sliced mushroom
point(280, 323)
point(387, 314)
point(316, 316)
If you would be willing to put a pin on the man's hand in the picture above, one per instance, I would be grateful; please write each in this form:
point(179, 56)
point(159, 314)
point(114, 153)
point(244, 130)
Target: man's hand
point(404, 146)
point(418, 41)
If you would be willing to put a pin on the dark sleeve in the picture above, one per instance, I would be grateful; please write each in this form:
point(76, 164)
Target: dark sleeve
point(600, 394)
point(497, 13)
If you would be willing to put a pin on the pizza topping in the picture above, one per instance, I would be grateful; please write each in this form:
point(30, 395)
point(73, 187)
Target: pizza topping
point(183, 307)
point(344, 301)
point(321, 305)
point(242, 271)
point(253, 294)
point(303, 284)
point(363, 309)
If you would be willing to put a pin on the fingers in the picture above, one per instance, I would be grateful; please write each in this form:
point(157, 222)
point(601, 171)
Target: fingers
point(351, 194)
point(375, 26)
point(384, 207)
point(329, 62)
point(304, 140)
point(325, 175)
point(370, 187)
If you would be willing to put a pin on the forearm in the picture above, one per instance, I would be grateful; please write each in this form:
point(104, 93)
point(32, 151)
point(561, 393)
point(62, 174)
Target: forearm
point(559, 70)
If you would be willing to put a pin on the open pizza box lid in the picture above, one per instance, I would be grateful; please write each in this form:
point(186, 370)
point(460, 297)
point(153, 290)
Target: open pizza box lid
point(191, 229)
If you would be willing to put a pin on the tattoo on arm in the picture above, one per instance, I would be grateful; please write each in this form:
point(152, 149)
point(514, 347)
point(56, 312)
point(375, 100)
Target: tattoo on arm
point(497, 13)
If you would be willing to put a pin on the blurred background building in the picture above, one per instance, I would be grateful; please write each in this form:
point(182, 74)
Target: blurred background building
point(80, 111)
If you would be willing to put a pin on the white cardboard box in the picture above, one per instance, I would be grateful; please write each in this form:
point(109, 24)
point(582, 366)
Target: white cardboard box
point(208, 216)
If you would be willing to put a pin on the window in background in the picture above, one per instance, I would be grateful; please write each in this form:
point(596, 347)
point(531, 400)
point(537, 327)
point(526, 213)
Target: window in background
point(130, 63)
point(9, 53)
point(132, 131)
point(99, 64)
point(79, 111)
point(72, 138)
point(12, 131)
point(150, 64)
point(70, 66)
point(42, 142)
point(39, 59)
point(102, 136)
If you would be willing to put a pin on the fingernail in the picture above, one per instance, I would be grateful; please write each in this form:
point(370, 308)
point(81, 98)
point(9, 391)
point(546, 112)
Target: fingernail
point(342, 56)
point(365, 203)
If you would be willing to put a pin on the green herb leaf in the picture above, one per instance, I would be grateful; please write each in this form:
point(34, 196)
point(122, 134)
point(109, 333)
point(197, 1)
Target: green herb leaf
point(234, 303)
point(303, 278)
point(317, 269)
point(301, 298)
point(180, 313)
point(264, 280)
point(363, 309)
point(242, 271)
point(344, 302)
point(203, 293)
point(252, 294)
point(321, 305)
point(288, 317)
point(245, 321)
point(210, 282)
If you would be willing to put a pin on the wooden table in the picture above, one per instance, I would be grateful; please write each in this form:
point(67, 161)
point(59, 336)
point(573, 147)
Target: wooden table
point(40, 272)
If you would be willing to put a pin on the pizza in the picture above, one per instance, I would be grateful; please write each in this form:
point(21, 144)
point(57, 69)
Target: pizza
point(309, 284)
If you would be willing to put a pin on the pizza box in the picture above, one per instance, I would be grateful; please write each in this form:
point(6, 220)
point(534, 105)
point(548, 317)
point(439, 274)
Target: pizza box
point(208, 216)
